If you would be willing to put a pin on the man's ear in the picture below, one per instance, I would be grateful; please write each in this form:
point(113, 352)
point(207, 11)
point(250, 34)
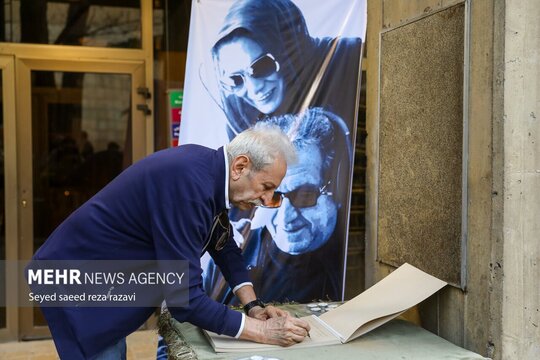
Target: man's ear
point(240, 164)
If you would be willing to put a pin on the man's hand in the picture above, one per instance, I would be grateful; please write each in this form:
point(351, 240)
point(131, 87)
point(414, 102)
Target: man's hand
point(267, 312)
point(280, 330)
point(270, 325)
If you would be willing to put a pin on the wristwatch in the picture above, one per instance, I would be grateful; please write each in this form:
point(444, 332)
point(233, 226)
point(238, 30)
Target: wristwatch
point(250, 305)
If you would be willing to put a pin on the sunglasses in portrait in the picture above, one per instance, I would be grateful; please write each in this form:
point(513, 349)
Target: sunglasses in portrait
point(302, 197)
point(220, 232)
point(260, 68)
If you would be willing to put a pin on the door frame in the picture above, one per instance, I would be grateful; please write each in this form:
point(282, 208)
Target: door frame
point(16, 62)
point(7, 66)
point(24, 67)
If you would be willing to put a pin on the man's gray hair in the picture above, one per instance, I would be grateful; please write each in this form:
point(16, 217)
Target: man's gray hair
point(262, 143)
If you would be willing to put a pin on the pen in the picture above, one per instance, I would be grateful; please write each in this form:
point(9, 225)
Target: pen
point(298, 317)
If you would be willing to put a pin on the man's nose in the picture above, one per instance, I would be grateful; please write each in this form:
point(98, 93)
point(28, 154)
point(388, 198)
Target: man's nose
point(267, 198)
point(290, 212)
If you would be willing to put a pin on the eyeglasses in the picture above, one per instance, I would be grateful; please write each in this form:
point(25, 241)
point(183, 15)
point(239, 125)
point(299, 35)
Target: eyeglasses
point(302, 197)
point(260, 68)
point(220, 232)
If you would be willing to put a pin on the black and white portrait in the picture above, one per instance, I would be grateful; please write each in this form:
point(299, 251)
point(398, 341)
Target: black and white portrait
point(297, 65)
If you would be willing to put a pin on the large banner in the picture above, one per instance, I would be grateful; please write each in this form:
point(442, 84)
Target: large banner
point(295, 64)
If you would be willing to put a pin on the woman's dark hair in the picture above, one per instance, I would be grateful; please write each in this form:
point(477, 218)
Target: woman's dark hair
point(279, 27)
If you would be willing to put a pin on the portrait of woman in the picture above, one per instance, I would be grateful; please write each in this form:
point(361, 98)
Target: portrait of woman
point(266, 63)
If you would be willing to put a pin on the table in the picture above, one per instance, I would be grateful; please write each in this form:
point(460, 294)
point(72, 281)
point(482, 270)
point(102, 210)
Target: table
point(398, 339)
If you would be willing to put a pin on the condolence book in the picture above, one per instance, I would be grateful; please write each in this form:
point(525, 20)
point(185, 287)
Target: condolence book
point(393, 295)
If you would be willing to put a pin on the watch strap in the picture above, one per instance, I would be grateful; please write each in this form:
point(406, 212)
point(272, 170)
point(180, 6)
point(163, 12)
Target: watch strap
point(250, 305)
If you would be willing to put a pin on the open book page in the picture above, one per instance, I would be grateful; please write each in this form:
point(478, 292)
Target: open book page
point(319, 336)
point(402, 289)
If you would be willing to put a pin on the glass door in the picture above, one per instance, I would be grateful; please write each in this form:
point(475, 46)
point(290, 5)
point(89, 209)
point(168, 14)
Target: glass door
point(79, 127)
point(8, 200)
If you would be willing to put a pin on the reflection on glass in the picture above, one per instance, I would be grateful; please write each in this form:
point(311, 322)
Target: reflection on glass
point(171, 20)
point(2, 207)
point(81, 139)
point(114, 23)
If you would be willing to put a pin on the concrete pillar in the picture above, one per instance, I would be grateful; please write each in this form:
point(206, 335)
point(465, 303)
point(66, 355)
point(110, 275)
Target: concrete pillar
point(520, 297)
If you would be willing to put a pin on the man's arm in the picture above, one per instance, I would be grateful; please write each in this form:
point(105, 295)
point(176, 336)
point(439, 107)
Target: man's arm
point(231, 263)
point(207, 314)
point(265, 325)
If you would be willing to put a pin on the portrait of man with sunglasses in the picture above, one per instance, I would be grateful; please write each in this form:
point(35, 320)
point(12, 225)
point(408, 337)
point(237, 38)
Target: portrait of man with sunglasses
point(290, 249)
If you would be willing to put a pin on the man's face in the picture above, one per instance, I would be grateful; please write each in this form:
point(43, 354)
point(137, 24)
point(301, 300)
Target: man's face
point(303, 229)
point(250, 188)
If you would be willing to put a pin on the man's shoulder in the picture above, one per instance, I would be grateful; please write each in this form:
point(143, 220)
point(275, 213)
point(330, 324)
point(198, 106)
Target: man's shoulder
point(190, 166)
point(188, 154)
point(185, 149)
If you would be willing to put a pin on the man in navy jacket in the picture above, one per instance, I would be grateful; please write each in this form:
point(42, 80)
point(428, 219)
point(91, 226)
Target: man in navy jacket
point(162, 207)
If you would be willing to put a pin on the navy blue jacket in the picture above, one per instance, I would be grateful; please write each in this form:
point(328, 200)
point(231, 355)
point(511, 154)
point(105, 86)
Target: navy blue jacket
point(161, 207)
